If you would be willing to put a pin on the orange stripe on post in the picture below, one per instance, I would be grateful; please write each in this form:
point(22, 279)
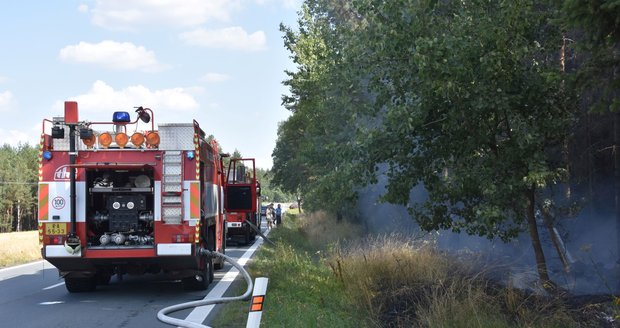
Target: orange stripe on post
point(257, 303)
point(194, 200)
point(44, 191)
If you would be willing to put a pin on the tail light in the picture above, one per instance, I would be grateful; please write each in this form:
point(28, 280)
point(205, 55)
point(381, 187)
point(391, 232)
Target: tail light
point(181, 238)
point(56, 240)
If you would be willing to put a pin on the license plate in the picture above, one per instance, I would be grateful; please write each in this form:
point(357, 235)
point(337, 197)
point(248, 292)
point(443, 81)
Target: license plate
point(55, 228)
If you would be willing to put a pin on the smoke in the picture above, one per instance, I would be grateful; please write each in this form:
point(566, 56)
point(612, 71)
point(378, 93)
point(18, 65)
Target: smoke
point(589, 239)
point(385, 218)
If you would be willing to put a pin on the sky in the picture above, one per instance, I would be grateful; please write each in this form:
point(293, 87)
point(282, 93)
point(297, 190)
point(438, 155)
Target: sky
point(220, 62)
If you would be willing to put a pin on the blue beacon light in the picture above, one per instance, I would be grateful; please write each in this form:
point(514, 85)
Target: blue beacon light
point(47, 155)
point(121, 117)
point(190, 155)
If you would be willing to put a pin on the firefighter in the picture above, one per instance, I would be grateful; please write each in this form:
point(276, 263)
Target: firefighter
point(278, 215)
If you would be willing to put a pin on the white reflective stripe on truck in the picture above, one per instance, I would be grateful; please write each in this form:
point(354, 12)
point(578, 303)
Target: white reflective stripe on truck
point(59, 251)
point(174, 249)
point(157, 195)
point(233, 224)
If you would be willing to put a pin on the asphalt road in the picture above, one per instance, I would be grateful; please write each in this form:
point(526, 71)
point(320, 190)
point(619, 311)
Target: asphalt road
point(32, 295)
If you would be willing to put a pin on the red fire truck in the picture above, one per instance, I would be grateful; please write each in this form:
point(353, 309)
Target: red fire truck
point(242, 200)
point(117, 199)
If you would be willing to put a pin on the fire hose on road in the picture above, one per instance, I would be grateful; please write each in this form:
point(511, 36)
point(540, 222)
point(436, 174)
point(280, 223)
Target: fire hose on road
point(162, 315)
point(255, 228)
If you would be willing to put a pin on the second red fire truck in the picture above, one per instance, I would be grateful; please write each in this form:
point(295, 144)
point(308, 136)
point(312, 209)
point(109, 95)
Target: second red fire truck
point(243, 200)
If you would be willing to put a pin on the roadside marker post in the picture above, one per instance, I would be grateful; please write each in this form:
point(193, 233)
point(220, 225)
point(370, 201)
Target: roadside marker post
point(258, 299)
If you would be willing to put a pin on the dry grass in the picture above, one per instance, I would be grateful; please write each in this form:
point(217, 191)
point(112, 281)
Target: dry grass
point(325, 273)
point(388, 275)
point(19, 247)
point(322, 230)
point(404, 282)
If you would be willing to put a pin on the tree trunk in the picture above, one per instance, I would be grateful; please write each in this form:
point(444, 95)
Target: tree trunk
point(5, 222)
point(541, 264)
point(557, 243)
point(19, 216)
point(616, 159)
point(10, 220)
point(590, 163)
point(565, 142)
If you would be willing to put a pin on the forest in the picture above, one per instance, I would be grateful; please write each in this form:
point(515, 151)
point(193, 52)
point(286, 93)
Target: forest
point(504, 112)
point(18, 187)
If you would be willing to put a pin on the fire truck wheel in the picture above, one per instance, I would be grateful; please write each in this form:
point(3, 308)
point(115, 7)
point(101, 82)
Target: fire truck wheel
point(80, 285)
point(219, 264)
point(202, 283)
point(211, 270)
point(247, 235)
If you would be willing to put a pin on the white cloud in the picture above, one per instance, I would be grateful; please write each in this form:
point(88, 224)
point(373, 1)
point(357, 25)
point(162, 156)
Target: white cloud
point(103, 99)
point(14, 137)
point(112, 54)
point(83, 8)
point(214, 77)
point(235, 38)
point(3, 79)
point(130, 14)
point(291, 4)
point(6, 101)
point(286, 4)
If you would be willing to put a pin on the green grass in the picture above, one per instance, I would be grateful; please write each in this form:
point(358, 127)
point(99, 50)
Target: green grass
point(302, 291)
point(404, 282)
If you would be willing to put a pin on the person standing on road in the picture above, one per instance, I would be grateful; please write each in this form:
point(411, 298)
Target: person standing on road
point(278, 215)
point(269, 216)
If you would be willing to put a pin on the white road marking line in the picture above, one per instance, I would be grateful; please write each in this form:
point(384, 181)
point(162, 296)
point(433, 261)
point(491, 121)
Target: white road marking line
point(21, 266)
point(51, 303)
point(200, 313)
point(54, 286)
point(24, 269)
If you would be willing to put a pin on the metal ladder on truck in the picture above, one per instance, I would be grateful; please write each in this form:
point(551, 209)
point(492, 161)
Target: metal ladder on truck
point(172, 187)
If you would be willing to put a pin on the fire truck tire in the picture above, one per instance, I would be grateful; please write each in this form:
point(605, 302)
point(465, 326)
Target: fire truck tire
point(219, 264)
point(212, 247)
point(211, 270)
point(253, 234)
point(206, 276)
point(247, 235)
point(191, 283)
point(80, 285)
